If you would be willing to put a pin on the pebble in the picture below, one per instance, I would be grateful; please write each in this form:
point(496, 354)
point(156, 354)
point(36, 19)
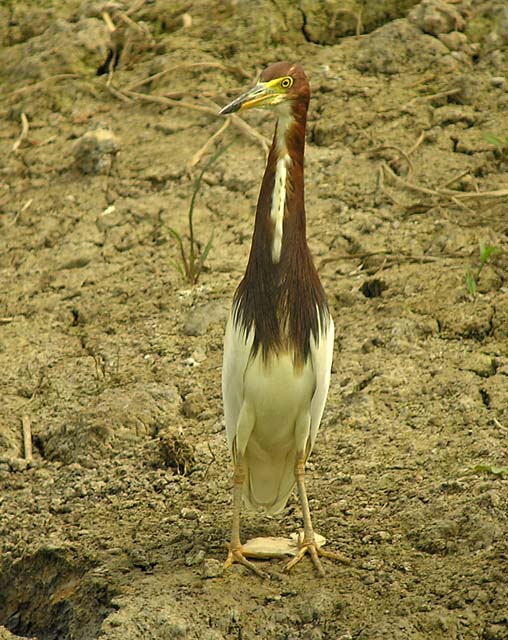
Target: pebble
point(172, 627)
point(95, 151)
point(200, 318)
point(195, 558)
point(498, 81)
point(194, 404)
point(490, 498)
point(482, 364)
point(455, 41)
point(450, 114)
point(212, 568)
point(436, 17)
point(18, 464)
point(189, 514)
point(212, 634)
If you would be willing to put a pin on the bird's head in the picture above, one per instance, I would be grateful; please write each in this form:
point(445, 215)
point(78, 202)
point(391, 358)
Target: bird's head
point(280, 83)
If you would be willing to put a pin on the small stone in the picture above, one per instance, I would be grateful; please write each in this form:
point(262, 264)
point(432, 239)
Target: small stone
point(200, 318)
point(175, 452)
point(495, 632)
point(212, 568)
point(383, 536)
point(480, 363)
point(498, 81)
point(436, 17)
point(212, 634)
point(195, 558)
point(490, 498)
point(455, 41)
point(172, 627)
point(18, 464)
point(194, 404)
point(189, 514)
point(95, 151)
point(450, 114)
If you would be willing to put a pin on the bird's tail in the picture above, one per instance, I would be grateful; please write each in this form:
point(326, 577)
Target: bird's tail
point(270, 480)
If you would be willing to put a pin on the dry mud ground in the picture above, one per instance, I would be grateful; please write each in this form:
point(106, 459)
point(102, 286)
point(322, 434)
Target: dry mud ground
point(116, 528)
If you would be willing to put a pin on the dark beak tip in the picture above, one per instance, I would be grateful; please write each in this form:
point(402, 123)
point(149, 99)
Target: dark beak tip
point(229, 108)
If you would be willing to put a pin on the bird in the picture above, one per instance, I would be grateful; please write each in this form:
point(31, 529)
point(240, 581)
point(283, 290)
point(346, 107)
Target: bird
point(279, 338)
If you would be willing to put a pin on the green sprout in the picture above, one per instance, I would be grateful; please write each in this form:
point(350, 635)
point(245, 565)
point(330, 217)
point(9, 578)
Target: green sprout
point(493, 469)
point(472, 277)
point(192, 261)
point(500, 142)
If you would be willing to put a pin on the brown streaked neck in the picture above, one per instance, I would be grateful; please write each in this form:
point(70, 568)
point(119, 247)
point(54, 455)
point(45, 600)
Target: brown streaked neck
point(281, 294)
point(287, 149)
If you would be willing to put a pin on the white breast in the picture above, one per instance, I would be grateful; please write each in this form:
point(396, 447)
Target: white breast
point(272, 412)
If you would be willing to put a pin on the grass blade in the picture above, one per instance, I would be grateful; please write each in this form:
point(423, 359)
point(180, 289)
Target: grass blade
point(193, 262)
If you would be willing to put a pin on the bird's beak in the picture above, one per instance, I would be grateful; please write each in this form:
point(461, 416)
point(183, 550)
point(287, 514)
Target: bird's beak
point(259, 95)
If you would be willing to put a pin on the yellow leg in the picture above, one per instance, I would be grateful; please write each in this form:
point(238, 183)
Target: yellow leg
point(308, 544)
point(235, 553)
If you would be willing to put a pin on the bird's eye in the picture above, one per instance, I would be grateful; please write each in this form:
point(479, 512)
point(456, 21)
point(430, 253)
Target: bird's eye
point(286, 82)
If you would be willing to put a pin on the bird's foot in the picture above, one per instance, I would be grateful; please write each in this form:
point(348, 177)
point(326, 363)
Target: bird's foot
point(235, 554)
point(309, 546)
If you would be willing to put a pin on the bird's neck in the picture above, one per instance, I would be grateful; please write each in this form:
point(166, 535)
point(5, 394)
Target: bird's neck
point(280, 216)
point(281, 296)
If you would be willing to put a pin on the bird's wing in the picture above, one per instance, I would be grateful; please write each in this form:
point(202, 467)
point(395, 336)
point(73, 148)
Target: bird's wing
point(322, 356)
point(237, 348)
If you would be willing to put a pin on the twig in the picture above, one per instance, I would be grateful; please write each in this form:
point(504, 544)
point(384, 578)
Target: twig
point(406, 184)
point(499, 425)
point(460, 204)
point(422, 80)
point(212, 461)
point(113, 49)
point(25, 126)
point(398, 150)
point(38, 85)
point(381, 187)
point(448, 193)
point(199, 154)
point(356, 15)
point(246, 129)
point(250, 132)
point(134, 25)
point(421, 138)
point(238, 122)
point(109, 23)
point(27, 438)
point(191, 65)
point(454, 179)
point(22, 210)
point(166, 101)
point(498, 193)
point(396, 257)
point(118, 94)
point(434, 96)
point(135, 7)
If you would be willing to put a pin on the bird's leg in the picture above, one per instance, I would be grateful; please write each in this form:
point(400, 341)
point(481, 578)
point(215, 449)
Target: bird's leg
point(235, 546)
point(308, 544)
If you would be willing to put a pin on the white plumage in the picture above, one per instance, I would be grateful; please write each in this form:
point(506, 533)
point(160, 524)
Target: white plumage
point(272, 411)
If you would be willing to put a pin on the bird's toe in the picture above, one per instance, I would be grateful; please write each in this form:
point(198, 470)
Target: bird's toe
point(235, 554)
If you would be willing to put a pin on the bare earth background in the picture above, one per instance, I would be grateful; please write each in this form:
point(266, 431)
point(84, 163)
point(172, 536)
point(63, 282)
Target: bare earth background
point(116, 528)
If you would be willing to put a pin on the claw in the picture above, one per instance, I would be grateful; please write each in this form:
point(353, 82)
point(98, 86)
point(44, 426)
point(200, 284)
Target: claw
point(236, 555)
point(310, 546)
